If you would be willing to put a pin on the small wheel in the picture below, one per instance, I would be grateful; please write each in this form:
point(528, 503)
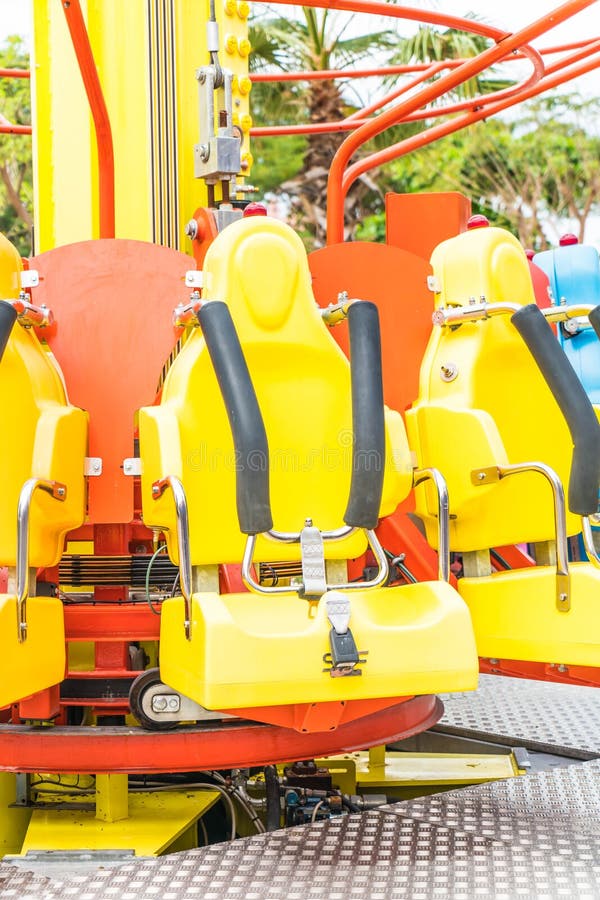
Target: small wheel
point(140, 700)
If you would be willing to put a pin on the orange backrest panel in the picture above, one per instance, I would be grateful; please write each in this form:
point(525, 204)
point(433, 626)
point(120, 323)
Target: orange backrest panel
point(112, 301)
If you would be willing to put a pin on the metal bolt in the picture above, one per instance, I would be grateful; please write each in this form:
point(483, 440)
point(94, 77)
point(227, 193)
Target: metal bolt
point(448, 371)
point(191, 229)
point(60, 491)
point(127, 467)
point(155, 490)
point(174, 704)
point(159, 703)
point(204, 152)
point(493, 662)
point(96, 467)
point(481, 476)
point(308, 523)
point(562, 668)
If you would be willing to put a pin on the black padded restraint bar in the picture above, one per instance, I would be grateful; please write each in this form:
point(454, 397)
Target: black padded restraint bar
point(245, 419)
point(368, 422)
point(594, 318)
point(8, 315)
point(574, 403)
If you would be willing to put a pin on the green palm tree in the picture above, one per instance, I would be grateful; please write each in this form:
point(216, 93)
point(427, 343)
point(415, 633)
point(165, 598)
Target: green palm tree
point(318, 40)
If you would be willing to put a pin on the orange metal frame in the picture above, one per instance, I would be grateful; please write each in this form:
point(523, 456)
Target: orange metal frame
point(93, 88)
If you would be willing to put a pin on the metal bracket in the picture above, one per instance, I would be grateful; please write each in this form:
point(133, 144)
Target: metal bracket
point(194, 278)
point(92, 466)
point(314, 577)
point(30, 278)
point(132, 466)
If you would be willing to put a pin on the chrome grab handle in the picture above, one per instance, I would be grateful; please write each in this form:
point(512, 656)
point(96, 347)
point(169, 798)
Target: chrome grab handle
point(443, 515)
point(475, 312)
point(563, 312)
point(59, 492)
point(293, 537)
point(183, 541)
point(256, 588)
point(496, 473)
point(454, 315)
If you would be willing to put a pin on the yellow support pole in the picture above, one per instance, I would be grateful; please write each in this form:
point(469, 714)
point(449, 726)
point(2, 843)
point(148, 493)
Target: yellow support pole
point(146, 53)
point(112, 797)
point(13, 820)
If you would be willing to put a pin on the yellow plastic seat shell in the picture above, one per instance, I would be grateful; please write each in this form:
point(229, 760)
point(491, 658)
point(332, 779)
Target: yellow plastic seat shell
point(248, 652)
point(302, 382)
point(40, 661)
point(43, 437)
point(514, 615)
point(494, 409)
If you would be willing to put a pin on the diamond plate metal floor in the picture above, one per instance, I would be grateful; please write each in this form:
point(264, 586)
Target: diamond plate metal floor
point(536, 714)
point(537, 836)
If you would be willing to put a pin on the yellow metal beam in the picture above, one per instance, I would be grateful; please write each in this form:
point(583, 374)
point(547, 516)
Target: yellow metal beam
point(366, 770)
point(156, 823)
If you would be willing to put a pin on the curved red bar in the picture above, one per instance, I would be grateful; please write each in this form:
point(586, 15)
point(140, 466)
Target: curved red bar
point(85, 749)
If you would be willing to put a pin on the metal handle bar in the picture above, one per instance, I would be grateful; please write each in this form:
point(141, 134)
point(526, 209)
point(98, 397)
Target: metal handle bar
point(183, 541)
point(59, 492)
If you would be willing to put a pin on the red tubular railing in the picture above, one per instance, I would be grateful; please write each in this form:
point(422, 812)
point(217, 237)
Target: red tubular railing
point(341, 180)
point(93, 89)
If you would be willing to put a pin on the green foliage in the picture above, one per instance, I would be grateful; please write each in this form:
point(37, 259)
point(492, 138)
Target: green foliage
point(16, 191)
point(526, 174)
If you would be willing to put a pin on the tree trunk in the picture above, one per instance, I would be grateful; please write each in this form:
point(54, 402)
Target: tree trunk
point(13, 196)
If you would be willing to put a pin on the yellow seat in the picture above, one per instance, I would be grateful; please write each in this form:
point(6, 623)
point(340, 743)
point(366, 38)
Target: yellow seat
point(514, 616)
point(43, 438)
point(412, 636)
point(482, 404)
point(251, 651)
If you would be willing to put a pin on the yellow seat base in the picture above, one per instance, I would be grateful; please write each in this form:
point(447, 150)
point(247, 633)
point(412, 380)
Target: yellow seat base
point(515, 616)
point(40, 661)
point(248, 651)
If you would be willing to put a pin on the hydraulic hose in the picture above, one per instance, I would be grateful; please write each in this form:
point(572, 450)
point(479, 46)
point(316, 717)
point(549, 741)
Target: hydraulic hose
point(574, 404)
point(8, 316)
point(245, 418)
point(368, 422)
point(273, 795)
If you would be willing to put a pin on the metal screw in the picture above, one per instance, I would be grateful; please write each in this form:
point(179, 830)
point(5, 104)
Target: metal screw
point(155, 489)
point(562, 668)
point(448, 371)
point(60, 491)
point(493, 662)
point(481, 476)
point(191, 229)
point(159, 703)
point(96, 467)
